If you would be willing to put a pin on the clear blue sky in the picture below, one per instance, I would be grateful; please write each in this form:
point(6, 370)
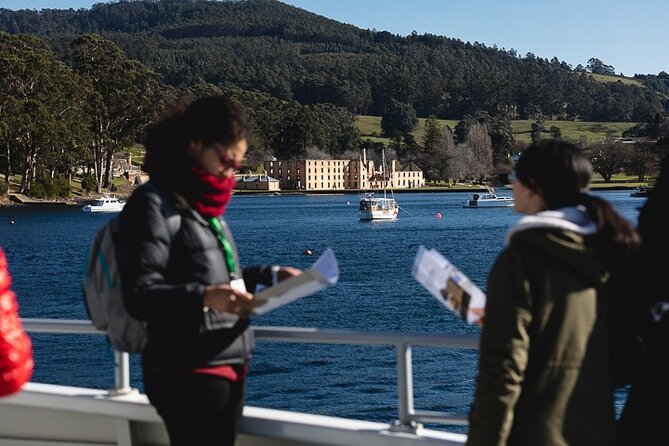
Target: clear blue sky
point(630, 36)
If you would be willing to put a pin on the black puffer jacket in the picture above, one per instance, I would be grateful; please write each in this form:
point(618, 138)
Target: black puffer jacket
point(164, 278)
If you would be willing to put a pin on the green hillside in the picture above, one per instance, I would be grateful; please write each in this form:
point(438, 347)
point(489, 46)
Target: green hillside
point(291, 54)
point(370, 129)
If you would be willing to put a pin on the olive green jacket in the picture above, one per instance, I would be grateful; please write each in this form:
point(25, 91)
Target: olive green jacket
point(543, 375)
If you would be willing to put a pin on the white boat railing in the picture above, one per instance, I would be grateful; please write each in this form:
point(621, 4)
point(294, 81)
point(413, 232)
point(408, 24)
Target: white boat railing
point(409, 419)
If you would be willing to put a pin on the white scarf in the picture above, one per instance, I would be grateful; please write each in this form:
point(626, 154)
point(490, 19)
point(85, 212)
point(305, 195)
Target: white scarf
point(573, 218)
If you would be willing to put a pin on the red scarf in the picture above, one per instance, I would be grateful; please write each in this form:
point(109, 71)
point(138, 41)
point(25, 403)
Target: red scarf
point(208, 194)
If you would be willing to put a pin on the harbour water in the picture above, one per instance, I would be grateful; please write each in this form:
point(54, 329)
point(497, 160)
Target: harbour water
point(46, 248)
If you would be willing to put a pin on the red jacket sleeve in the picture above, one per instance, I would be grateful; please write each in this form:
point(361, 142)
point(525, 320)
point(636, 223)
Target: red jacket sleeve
point(16, 360)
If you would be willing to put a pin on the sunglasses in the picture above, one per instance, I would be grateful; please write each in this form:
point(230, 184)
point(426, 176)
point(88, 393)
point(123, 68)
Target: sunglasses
point(225, 159)
point(235, 165)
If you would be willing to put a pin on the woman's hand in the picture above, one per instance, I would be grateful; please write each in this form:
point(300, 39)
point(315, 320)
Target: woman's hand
point(284, 272)
point(225, 298)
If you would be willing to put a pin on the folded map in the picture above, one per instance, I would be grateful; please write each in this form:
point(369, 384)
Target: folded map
point(324, 272)
point(449, 285)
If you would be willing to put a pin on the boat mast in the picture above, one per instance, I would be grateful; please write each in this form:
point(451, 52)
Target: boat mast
point(383, 171)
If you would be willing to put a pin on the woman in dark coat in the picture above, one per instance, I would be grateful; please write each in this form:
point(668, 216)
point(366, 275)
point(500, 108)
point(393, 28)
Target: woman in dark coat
point(544, 376)
point(186, 283)
point(646, 412)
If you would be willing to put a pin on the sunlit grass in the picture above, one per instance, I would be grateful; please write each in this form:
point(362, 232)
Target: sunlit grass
point(370, 129)
point(608, 79)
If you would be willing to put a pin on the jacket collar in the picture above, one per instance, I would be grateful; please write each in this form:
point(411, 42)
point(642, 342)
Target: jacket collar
point(573, 218)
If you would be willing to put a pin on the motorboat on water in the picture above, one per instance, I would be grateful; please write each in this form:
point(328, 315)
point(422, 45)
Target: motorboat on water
point(641, 191)
point(487, 200)
point(105, 204)
point(378, 208)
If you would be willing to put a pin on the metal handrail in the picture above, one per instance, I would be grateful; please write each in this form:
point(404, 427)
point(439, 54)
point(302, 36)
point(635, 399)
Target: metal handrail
point(409, 419)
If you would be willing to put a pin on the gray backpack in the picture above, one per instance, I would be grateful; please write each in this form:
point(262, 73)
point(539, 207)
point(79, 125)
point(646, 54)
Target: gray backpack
point(102, 289)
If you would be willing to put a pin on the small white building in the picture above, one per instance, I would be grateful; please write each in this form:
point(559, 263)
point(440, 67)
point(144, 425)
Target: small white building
point(256, 182)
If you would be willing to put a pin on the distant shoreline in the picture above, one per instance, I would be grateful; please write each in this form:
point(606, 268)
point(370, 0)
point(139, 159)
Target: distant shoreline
point(595, 187)
point(5, 200)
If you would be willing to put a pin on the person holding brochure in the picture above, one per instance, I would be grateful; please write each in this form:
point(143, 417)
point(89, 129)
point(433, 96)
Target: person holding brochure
point(543, 372)
point(188, 285)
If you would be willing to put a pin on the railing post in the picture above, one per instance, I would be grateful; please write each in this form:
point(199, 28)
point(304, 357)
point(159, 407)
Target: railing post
point(121, 375)
point(405, 423)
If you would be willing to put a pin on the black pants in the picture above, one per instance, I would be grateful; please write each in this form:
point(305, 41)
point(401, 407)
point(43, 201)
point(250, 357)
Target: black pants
point(197, 409)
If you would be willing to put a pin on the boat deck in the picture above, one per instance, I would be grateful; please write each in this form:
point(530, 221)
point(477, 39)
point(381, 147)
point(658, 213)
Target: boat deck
point(44, 414)
point(57, 415)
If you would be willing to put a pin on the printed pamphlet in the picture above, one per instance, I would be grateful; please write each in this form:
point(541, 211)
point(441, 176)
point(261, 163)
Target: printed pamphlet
point(324, 272)
point(449, 285)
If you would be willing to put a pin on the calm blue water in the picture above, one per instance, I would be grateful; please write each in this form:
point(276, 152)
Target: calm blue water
point(46, 250)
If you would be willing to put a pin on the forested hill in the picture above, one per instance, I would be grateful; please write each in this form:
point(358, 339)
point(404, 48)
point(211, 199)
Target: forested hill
point(268, 46)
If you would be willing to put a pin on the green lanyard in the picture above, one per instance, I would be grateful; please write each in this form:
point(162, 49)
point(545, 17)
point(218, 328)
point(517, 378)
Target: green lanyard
point(215, 225)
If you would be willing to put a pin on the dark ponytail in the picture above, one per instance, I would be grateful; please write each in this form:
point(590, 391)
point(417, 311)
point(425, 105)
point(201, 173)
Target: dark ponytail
point(615, 236)
point(561, 172)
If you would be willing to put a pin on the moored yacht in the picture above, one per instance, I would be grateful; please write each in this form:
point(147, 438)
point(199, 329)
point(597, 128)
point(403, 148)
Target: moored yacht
point(373, 207)
point(487, 200)
point(105, 204)
point(378, 208)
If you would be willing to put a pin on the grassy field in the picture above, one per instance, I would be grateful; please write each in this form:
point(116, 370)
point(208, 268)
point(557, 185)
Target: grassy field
point(370, 129)
point(608, 79)
point(573, 130)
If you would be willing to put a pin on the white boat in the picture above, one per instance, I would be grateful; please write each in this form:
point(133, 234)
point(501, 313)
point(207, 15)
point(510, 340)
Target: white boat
point(378, 208)
point(61, 415)
point(487, 200)
point(373, 207)
point(105, 204)
point(641, 191)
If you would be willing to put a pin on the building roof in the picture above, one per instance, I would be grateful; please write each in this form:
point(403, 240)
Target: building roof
point(256, 179)
point(412, 167)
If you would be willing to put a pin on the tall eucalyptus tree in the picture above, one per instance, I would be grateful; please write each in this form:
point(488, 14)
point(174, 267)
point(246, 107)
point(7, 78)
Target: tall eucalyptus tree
point(41, 108)
point(127, 96)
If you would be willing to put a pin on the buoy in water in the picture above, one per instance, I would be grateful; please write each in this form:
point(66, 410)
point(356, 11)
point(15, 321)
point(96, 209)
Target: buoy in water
point(438, 215)
point(11, 222)
point(348, 202)
point(308, 252)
